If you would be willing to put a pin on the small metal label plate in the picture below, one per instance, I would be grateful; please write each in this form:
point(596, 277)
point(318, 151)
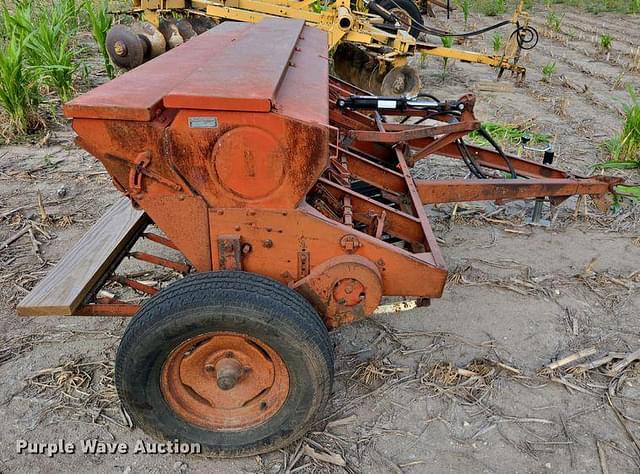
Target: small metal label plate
point(203, 122)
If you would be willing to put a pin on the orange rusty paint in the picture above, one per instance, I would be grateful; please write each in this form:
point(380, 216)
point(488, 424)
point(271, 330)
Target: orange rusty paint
point(343, 289)
point(224, 381)
point(254, 152)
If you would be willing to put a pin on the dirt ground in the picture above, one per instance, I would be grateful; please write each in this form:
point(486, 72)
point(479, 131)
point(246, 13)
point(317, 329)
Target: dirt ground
point(460, 386)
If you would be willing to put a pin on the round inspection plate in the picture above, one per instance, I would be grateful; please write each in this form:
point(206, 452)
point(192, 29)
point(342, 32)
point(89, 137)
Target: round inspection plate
point(248, 162)
point(224, 381)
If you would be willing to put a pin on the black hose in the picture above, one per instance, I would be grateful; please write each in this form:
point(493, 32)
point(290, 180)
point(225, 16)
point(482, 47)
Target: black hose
point(495, 145)
point(468, 159)
point(526, 34)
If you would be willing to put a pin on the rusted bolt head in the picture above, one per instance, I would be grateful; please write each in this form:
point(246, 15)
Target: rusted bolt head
point(267, 243)
point(349, 243)
point(228, 371)
point(246, 248)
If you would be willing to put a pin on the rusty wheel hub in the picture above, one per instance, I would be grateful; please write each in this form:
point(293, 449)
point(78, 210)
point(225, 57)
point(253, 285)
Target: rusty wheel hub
point(224, 381)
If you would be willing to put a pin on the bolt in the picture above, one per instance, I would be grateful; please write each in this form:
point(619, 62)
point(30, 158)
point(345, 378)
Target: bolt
point(120, 48)
point(267, 243)
point(246, 248)
point(380, 262)
point(228, 372)
point(209, 368)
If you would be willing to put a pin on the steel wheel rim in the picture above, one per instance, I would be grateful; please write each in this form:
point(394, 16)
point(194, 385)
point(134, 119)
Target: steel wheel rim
point(224, 381)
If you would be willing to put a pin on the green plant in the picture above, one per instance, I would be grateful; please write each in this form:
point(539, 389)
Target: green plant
point(492, 7)
point(510, 134)
point(554, 21)
point(465, 6)
point(19, 94)
point(17, 24)
point(447, 42)
point(606, 42)
point(100, 21)
point(496, 42)
point(51, 52)
point(630, 136)
point(548, 70)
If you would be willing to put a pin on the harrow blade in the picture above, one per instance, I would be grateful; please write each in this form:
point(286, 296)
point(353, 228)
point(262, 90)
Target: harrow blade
point(352, 64)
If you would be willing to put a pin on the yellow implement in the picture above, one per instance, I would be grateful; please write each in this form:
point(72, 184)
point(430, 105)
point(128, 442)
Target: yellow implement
point(380, 34)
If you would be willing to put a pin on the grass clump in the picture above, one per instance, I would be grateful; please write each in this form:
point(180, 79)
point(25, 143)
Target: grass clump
point(606, 42)
point(447, 42)
point(510, 133)
point(496, 42)
point(465, 6)
point(50, 52)
point(548, 70)
point(19, 90)
point(625, 146)
point(37, 56)
point(100, 21)
point(492, 7)
point(554, 21)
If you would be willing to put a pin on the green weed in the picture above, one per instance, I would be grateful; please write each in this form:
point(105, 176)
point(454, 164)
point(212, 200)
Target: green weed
point(629, 138)
point(465, 6)
point(491, 7)
point(606, 42)
point(447, 42)
point(100, 21)
point(510, 134)
point(554, 21)
point(548, 70)
point(496, 42)
point(19, 89)
point(51, 52)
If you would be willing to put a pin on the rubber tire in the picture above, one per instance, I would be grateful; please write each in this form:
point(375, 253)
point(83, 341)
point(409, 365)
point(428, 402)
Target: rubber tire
point(226, 301)
point(408, 6)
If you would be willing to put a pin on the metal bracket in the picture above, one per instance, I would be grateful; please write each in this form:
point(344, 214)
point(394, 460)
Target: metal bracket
point(536, 214)
point(229, 252)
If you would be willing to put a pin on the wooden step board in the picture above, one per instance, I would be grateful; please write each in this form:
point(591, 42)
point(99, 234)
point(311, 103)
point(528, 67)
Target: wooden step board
point(83, 267)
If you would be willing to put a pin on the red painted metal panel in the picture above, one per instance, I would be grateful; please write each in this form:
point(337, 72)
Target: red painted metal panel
point(137, 95)
point(246, 74)
point(304, 94)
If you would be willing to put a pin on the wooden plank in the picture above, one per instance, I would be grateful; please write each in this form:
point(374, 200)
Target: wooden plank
point(81, 269)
